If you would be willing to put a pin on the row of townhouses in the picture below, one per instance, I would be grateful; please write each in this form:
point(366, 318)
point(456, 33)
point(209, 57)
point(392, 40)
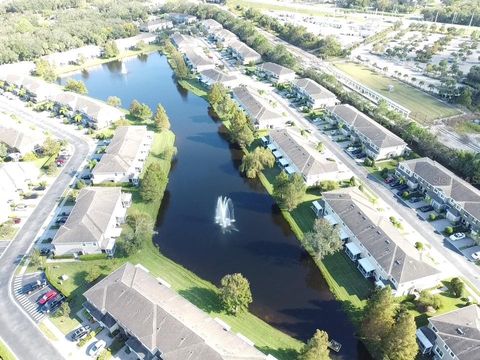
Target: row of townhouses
point(18, 138)
point(444, 190)
point(376, 247)
point(161, 324)
point(256, 108)
point(378, 142)
point(95, 113)
point(294, 155)
point(275, 73)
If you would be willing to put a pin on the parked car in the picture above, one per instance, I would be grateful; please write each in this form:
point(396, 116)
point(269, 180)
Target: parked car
point(20, 207)
point(33, 195)
point(476, 255)
point(389, 180)
point(49, 295)
point(61, 220)
point(45, 252)
point(457, 236)
point(415, 199)
point(97, 347)
point(393, 183)
point(360, 156)
point(86, 177)
point(52, 305)
point(17, 220)
point(80, 333)
point(356, 152)
point(426, 208)
point(402, 188)
point(34, 286)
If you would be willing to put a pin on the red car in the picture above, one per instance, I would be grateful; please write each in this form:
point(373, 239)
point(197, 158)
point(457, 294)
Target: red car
point(47, 297)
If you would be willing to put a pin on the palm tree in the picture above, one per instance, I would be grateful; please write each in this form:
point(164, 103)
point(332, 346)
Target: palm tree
point(63, 111)
point(48, 106)
point(78, 118)
point(22, 93)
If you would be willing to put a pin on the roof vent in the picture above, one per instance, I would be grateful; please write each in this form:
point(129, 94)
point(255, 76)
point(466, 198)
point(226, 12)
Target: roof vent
point(460, 331)
point(387, 241)
point(397, 262)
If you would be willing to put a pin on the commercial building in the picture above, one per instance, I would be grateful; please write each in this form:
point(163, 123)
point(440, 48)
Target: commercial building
point(444, 190)
point(312, 94)
point(376, 247)
point(125, 156)
point(378, 142)
point(94, 223)
point(452, 336)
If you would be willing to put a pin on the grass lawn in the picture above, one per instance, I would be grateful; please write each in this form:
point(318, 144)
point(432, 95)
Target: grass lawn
point(46, 331)
point(467, 127)
point(5, 353)
point(424, 108)
point(200, 292)
point(195, 87)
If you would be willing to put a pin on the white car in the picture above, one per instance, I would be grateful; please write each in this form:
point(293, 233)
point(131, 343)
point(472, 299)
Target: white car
point(476, 255)
point(97, 347)
point(457, 236)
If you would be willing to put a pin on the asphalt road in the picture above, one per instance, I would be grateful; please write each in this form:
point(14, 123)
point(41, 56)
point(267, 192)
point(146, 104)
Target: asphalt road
point(16, 328)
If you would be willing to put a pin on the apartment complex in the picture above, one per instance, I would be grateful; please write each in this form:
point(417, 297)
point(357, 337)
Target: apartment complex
point(314, 95)
point(211, 76)
point(19, 138)
point(159, 323)
point(444, 190)
point(94, 223)
point(125, 156)
point(378, 142)
point(275, 73)
point(376, 247)
point(243, 54)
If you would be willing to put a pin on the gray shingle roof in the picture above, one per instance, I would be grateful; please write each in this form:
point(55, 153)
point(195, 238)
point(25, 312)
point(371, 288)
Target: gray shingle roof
point(90, 216)
point(396, 256)
point(452, 185)
point(253, 106)
point(460, 330)
point(161, 319)
point(197, 57)
point(122, 150)
point(302, 158)
point(313, 89)
point(217, 76)
point(211, 24)
point(225, 34)
point(275, 68)
point(21, 139)
point(243, 50)
point(376, 133)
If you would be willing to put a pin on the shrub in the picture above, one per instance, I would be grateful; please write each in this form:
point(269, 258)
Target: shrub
point(88, 257)
point(448, 230)
point(30, 156)
point(457, 287)
point(419, 246)
point(405, 195)
point(432, 217)
point(428, 299)
point(368, 162)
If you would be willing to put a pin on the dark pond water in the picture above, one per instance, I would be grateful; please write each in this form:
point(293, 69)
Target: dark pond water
point(288, 289)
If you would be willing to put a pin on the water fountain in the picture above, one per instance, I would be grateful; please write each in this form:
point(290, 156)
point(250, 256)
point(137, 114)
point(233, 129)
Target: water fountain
point(224, 215)
point(124, 70)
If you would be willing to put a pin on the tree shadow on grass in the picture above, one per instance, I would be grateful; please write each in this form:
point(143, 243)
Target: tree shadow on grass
point(206, 299)
point(280, 354)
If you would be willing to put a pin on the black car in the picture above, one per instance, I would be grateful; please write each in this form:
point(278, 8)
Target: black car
point(356, 152)
point(34, 286)
point(80, 333)
point(31, 196)
point(53, 305)
point(402, 188)
point(426, 208)
point(415, 199)
point(45, 252)
point(86, 177)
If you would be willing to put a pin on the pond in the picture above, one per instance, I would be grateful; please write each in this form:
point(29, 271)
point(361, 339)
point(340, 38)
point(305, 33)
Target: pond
point(289, 291)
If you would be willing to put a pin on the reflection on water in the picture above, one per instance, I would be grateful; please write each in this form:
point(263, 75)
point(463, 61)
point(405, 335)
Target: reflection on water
point(288, 289)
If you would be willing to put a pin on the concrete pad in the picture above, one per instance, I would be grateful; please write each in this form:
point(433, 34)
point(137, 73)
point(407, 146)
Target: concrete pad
point(468, 252)
point(440, 225)
point(463, 243)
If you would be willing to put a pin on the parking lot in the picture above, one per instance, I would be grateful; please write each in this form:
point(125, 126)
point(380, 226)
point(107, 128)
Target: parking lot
point(30, 301)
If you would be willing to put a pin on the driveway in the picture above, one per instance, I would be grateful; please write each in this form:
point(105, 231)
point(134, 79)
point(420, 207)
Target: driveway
point(16, 328)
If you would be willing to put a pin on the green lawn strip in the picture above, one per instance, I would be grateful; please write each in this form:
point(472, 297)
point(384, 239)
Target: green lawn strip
point(423, 106)
point(47, 332)
point(200, 292)
point(195, 87)
point(5, 353)
point(99, 61)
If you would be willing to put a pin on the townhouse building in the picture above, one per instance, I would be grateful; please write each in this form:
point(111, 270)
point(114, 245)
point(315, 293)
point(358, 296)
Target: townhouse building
point(376, 247)
point(94, 223)
point(243, 54)
point(223, 37)
point(314, 95)
point(197, 60)
point(210, 26)
point(211, 76)
point(452, 336)
point(125, 156)
point(275, 73)
point(444, 190)
point(378, 143)
point(156, 25)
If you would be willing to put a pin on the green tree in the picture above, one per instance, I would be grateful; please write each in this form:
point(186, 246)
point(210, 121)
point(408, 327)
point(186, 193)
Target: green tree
point(51, 147)
point(141, 224)
point(378, 318)
point(114, 101)
point(401, 342)
point(235, 293)
point(35, 258)
point(51, 168)
point(45, 70)
point(140, 111)
point(110, 50)
point(323, 240)
point(316, 348)
point(240, 131)
point(217, 94)
point(457, 287)
point(63, 310)
point(77, 86)
point(320, 147)
point(465, 97)
point(153, 182)
point(254, 162)
point(161, 118)
point(93, 273)
point(427, 299)
point(3, 151)
point(288, 190)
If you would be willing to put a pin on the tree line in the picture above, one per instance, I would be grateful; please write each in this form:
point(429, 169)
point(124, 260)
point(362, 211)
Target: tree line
point(244, 29)
point(31, 29)
point(462, 12)
point(297, 35)
point(402, 6)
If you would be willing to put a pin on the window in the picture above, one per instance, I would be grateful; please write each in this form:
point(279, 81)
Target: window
point(439, 352)
point(434, 329)
point(452, 354)
point(445, 346)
